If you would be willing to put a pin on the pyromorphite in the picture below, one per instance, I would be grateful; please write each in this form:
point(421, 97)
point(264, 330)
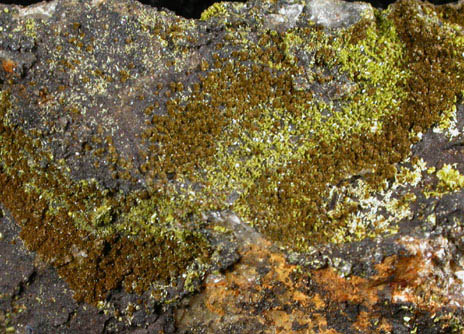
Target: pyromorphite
point(125, 150)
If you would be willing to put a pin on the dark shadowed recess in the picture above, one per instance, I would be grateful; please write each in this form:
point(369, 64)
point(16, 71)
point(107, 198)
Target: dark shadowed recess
point(384, 3)
point(193, 8)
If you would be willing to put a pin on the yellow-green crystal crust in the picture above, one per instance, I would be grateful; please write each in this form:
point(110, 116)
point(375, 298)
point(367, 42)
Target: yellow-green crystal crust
point(263, 134)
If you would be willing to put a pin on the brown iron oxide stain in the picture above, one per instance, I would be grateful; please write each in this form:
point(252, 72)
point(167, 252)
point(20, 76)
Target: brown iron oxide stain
point(285, 298)
point(8, 65)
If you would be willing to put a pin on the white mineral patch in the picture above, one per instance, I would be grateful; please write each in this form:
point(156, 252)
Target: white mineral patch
point(291, 12)
point(437, 273)
point(460, 275)
point(40, 10)
point(287, 16)
point(336, 13)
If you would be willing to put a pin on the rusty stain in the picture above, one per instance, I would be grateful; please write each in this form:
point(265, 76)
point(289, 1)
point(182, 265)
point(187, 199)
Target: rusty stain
point(9, 65)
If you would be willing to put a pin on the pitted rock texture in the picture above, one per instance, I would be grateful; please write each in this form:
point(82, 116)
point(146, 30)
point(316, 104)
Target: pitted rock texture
point(273, 166)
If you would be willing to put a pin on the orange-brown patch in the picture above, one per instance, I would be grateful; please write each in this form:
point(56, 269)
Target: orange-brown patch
point(384, 327)
point(339, 289)
point(8, 65)
point(318, 302)
point(362, 323)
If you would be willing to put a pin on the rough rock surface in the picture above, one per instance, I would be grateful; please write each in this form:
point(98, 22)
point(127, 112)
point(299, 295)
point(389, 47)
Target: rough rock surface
point(273, 167)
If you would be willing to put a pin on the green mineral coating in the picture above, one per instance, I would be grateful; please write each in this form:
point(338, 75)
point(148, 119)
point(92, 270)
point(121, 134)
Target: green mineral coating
point(450, 178)
point(251, 126)
point(157, 254)
point(216, 9)
point(281, 148)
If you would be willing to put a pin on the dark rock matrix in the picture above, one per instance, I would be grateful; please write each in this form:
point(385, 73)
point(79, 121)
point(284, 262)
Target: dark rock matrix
point(269, 167)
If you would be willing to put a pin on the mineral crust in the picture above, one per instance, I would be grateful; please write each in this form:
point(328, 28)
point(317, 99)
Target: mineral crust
point(272, 167)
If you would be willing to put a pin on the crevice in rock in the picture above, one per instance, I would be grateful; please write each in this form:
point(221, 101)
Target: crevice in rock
point(190, 9)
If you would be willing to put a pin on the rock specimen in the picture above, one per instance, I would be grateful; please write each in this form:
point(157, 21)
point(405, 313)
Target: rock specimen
point(275, 166)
